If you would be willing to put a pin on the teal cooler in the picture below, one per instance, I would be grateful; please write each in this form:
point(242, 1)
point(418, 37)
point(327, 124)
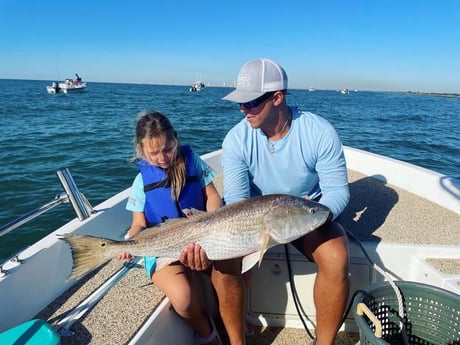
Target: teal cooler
point(431, 314)
point(33, 332)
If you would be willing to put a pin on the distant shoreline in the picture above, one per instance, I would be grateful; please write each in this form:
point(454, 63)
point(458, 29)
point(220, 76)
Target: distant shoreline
point(449, 95)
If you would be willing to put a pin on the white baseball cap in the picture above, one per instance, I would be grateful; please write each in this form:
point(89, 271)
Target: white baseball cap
point(256, 78)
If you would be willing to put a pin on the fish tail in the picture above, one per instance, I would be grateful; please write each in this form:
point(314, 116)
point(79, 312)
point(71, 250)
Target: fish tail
point(88, 253)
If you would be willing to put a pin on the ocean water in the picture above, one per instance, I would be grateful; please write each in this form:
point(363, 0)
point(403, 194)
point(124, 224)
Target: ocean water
point(92, 134)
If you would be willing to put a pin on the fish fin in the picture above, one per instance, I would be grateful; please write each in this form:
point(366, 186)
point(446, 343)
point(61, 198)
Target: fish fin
point(163, 262)
point(250, 261)
point(169, 221)
point(267, 239)
point(147, 232)
point(191, 212)
point(88, 253)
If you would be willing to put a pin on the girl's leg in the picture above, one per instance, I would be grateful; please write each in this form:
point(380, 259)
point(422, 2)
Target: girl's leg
point(177, 283)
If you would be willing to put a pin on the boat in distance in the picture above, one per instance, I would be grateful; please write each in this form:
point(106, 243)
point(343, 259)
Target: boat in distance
point(197, 86)
point(67, 86)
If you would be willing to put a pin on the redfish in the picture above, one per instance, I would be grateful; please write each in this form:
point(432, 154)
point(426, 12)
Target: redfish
point(243, 229)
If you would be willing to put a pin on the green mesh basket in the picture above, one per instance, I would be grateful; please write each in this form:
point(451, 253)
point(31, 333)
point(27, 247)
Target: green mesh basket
point(431, 314)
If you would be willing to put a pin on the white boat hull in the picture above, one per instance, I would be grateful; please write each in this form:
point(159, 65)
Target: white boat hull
point(66, 87)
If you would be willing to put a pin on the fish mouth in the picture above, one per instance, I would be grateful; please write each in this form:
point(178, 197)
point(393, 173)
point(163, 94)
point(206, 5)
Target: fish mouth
point(329, 216)
point(323, 217)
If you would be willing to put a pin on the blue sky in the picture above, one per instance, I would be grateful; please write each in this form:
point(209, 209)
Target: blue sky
point(392, 45)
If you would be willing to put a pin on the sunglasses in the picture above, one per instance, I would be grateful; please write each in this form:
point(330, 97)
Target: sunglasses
point(258, 101)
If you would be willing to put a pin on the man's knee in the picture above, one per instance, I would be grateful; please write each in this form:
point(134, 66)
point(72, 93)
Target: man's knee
point(228, 267)
point(328, 246)
point(330, 236)
point(226, 274)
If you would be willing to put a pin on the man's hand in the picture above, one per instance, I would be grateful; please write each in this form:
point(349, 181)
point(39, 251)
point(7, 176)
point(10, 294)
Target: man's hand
point(195, 257)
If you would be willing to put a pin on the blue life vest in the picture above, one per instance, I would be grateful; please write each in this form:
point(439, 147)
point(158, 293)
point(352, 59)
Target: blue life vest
point(159, 205)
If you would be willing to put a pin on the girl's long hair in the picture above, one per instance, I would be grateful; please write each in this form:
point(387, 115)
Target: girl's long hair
point(153, 125)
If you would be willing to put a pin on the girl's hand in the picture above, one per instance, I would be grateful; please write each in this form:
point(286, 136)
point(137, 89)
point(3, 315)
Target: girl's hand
point(125, 256)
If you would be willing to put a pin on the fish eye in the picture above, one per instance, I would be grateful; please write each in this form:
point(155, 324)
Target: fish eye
point(102, 244)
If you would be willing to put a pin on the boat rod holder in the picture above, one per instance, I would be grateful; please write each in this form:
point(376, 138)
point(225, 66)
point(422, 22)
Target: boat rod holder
point(79, 203)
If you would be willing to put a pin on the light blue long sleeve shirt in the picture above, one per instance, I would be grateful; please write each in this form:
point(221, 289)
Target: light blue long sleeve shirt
point(308, 161)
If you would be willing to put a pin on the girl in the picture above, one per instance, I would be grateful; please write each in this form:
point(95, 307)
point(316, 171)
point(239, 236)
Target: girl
point(171, 178)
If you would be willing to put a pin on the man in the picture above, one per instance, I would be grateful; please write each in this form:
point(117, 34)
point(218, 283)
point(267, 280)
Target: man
point(279, 149)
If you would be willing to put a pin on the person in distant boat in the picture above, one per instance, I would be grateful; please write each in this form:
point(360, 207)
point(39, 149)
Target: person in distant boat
point(280, 149)
point(172, 178)
point(56, 87)
point(77, 79)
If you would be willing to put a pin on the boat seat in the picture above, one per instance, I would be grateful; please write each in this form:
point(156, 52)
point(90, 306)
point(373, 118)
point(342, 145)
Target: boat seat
point(33, 332)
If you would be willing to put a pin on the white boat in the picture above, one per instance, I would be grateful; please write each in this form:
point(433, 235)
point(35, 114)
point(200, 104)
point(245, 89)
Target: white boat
point(197, 86)
point(68, 86)
point(406, 217)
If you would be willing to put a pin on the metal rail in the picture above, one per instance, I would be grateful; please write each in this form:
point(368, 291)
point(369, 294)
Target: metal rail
point(79, 203)
point(59, 199)
point(63, 326)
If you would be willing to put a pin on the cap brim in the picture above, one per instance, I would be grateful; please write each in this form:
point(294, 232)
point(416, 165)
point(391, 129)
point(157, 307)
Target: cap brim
point(239, 96)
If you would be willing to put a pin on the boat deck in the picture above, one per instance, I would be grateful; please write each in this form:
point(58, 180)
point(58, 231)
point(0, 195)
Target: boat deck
point(126, 306)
